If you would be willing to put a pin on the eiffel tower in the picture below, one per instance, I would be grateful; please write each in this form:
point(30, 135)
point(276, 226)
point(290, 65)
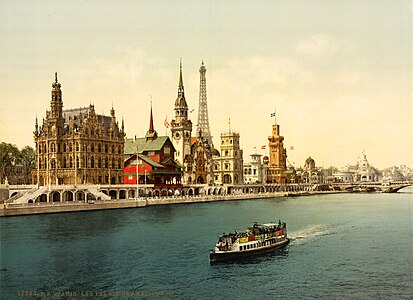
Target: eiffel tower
point(203, 122)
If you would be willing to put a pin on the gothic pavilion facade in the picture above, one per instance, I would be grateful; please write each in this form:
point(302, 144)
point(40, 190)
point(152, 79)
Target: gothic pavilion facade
point(77, 146)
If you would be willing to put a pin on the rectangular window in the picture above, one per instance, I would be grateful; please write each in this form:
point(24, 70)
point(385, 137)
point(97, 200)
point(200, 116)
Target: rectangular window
point(151, 153)
point(167, 150)
point(130, 177)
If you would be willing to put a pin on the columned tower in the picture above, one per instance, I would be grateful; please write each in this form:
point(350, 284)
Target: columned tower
point(181, 126)
point(277, 168)
point(203, 121)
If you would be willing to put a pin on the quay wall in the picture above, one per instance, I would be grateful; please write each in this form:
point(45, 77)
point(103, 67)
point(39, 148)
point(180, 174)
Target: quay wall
point(76, 206)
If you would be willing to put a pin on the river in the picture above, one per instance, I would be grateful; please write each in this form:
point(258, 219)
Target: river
point(344, 246)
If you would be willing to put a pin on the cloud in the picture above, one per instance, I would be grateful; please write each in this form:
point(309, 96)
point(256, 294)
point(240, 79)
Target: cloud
point(317, 45)
point(411, 7)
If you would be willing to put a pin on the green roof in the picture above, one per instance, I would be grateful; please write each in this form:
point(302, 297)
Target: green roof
point(145, 159)
point(141, 144)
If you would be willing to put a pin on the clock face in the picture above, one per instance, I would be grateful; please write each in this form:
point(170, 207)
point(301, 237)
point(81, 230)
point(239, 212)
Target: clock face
point(177, 135)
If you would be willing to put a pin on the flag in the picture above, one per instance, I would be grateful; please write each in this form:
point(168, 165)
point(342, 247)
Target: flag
point(273, 114)
point(291, 147)
point(166, 123)
point(263, 147)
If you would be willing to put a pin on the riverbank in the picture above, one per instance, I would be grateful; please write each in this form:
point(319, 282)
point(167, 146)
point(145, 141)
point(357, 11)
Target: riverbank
point(8, 210)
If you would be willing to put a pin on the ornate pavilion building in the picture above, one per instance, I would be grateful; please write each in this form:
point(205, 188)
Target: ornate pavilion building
point(151, 160)
point(77, 146)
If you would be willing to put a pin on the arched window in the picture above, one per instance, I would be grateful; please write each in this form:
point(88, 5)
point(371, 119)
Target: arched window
point(92, 147)
point(106, 148)
point(40, 149)
point(99, 148)
point(64, 147)
point(70, 147)
point(53, 147)
point(119, 150)
point(99, 163)
point(71, 162)
point(92, 162)
point(119, 164)
point(113, 163)
point(77, 146)
point(64, 162)
point(113, 148)
point(106, 162)
point(40, 163)
point(77, 162)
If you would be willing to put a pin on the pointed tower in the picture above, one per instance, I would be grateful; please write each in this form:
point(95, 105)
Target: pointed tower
point(203, 121)
point(181, 127)
point(56, 120)
point(151, 134)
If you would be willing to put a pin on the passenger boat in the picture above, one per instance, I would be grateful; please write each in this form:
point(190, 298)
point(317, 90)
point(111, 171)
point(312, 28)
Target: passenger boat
point(260, 238)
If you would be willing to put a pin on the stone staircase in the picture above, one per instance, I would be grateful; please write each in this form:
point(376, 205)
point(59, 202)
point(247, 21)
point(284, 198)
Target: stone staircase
point(30, 195)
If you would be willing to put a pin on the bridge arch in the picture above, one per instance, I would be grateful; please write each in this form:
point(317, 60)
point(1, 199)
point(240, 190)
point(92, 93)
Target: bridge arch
point(80, 196)
point(55, 196)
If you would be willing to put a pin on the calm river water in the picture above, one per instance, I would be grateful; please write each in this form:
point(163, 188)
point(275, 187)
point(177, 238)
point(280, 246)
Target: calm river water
point(344, 246)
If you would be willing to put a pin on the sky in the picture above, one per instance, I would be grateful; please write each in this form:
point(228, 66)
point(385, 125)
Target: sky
point(338, 74)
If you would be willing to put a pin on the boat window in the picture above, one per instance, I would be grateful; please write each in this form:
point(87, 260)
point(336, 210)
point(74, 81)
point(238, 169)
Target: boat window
point(240, 248)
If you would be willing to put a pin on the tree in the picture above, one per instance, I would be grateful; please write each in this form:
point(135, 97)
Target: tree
point(27, 160)
point(9, 155)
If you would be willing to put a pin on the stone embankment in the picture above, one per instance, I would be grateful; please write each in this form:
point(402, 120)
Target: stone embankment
point(76, 206)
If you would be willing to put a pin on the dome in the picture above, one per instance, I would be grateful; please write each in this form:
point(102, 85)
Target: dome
point(309, 160)
point(215, 152)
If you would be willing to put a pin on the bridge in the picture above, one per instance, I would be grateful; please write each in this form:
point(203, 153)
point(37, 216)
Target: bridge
point(22, 194)
point(384, 187)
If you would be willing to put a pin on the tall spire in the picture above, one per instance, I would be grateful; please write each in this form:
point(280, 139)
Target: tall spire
point(151, 121)
point(203, 121)
point(181, 82)
point(180, 102)
point(151, 134)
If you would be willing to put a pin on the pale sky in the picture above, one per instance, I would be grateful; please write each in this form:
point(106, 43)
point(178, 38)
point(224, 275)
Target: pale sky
point(338, 73)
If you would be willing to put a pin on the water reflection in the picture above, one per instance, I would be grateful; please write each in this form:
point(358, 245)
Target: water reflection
point(272, 255)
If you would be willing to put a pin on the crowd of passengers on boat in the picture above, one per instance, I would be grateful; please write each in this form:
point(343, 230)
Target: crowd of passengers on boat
point(263, 234)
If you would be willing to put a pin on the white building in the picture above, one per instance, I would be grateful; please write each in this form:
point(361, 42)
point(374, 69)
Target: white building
point(362, 171)
point(255, 171)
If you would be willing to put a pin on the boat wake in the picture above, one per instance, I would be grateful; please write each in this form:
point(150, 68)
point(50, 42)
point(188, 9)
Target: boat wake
point(309, 232)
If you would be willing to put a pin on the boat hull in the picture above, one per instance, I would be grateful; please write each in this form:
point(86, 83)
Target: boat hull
point(231, 255)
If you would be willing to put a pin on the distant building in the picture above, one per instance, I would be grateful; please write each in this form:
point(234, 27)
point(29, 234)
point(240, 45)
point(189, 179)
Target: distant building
point(255, 171)
point(361, 172)
point(277, 168)
point(310, 173)
point(151, 160)
point(77, 146)
point(394, 174)
point(228, 167)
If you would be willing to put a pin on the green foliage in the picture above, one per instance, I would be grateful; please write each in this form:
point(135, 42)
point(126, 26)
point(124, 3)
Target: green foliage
point(11, 156)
